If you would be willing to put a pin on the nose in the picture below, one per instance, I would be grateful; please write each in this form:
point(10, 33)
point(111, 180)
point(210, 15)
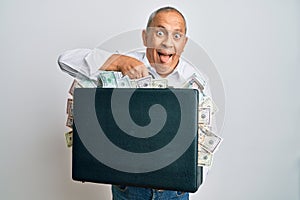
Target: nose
point(168, 41)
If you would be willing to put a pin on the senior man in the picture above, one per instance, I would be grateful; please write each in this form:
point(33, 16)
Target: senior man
point(164, 39)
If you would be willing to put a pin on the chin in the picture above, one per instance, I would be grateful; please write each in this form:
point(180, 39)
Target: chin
point(164, 69)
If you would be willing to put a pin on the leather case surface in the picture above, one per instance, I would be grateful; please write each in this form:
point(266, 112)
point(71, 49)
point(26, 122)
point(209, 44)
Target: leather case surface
point(139, 137)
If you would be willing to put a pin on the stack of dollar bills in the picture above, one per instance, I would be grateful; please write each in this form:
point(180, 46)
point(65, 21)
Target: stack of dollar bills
point(208, 141)
point(110, 79)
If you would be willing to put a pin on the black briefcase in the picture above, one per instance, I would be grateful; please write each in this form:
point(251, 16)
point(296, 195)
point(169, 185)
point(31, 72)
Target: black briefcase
point(139, 137)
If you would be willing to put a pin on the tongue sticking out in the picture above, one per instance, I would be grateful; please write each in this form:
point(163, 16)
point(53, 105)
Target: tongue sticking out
point(164, 58)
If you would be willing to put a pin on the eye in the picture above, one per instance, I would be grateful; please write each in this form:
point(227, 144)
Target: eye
point(160, 33)
point(177, 36)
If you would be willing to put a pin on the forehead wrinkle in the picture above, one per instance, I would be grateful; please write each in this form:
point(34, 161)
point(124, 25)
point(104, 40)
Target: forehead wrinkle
point(175, 20)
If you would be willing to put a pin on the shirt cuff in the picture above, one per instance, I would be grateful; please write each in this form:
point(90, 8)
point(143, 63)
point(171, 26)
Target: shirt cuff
point(96, 58)
point(72, 62)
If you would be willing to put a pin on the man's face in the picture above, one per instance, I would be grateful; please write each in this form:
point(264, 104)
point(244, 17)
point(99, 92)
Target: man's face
point(165, 40)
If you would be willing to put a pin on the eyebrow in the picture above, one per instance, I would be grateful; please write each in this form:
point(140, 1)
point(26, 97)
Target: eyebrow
point(161, 26)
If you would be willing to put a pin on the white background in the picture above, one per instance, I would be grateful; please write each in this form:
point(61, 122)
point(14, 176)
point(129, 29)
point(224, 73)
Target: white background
point(255, 45)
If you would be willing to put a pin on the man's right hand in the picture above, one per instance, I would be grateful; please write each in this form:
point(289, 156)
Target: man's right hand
point(127, 65)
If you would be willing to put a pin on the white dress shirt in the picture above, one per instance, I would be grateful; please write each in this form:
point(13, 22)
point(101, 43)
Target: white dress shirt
point(86, 62)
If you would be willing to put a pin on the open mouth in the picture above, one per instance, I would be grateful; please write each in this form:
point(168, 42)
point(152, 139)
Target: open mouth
point(164, 57)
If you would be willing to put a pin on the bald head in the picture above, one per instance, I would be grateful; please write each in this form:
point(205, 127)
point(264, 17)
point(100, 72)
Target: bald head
point(165, 9)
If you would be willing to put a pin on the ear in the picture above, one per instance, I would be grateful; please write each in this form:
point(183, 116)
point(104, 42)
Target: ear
point(144, 36)
point(185, 40)
point(184, 43)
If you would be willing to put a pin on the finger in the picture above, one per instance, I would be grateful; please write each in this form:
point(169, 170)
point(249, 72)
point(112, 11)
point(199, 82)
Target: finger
point(131, 74)
point(138, 76)
point(145, 72)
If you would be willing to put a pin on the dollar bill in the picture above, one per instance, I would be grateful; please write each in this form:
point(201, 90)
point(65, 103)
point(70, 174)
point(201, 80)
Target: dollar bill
point(123, 82)
point(210, 141)
point(207, 102)
point(69, 122)
point(118, 75)
point(204, 157)
point(75, 84)
point(144, 82)
point(195, 82)
point(200, 135)
point(70, 107)
point(69, 138)
point(87, 83)
point(107, 79)
point(159, 83)
point(133, 84)
point(204, 128)
point(204, 116)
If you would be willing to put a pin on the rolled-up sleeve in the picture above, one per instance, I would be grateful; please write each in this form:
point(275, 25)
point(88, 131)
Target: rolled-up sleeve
point(82, 62)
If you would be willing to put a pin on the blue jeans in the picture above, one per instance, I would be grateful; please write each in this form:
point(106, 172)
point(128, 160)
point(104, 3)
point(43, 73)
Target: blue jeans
point(137, 193)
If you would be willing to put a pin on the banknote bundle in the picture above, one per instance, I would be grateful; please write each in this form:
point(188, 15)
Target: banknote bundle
point(69, 111)
point(208, 141)
point(110, 79)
